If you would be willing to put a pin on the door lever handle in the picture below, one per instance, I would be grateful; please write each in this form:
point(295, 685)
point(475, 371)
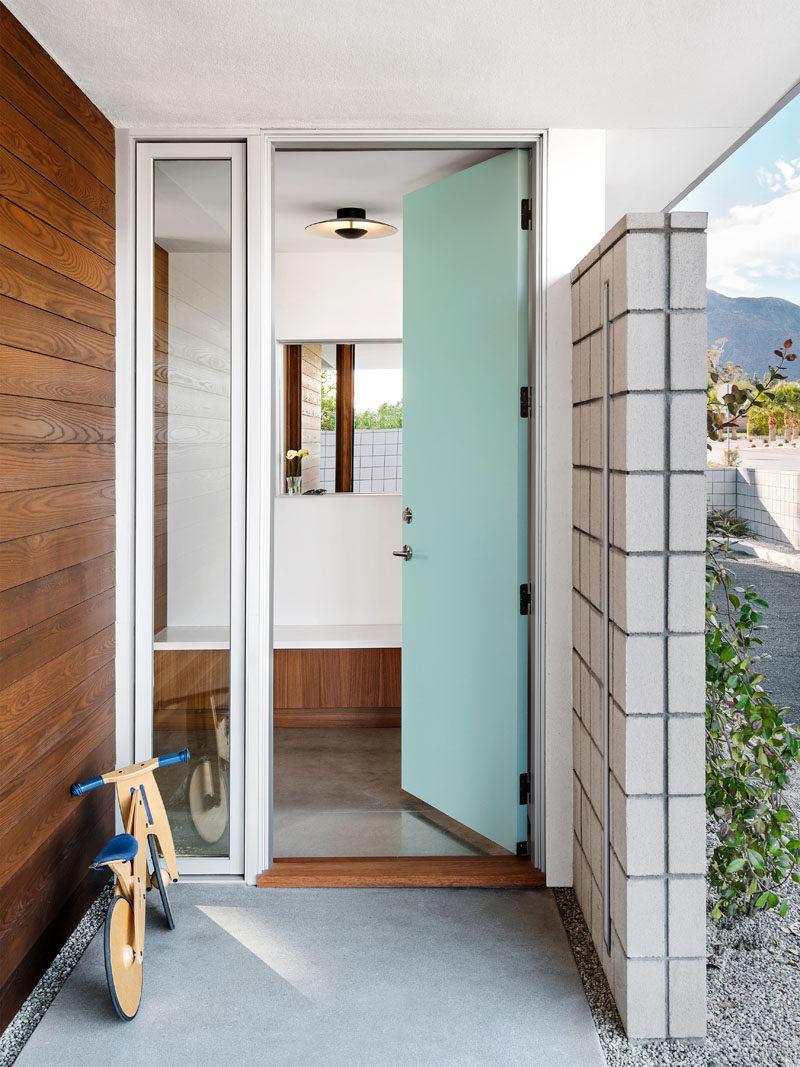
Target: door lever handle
point(404, 552)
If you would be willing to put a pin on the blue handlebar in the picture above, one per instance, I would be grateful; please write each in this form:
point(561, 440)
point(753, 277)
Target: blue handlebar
point(79, 788)
point(174, 757)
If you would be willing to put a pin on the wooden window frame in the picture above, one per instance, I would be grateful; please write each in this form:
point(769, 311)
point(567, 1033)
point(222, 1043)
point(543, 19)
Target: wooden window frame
point(345, 416)
point(345, 409)
point(293, 434)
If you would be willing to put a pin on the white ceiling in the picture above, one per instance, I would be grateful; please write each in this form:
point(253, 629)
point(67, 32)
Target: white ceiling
point(454, 63)
point(310, 186)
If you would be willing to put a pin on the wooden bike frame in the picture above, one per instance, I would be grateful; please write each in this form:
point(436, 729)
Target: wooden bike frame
point(143, 815)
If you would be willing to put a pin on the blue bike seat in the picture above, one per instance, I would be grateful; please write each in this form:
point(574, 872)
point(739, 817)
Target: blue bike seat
point(122, 847)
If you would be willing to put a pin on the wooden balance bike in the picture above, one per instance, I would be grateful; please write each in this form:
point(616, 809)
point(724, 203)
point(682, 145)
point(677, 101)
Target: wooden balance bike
point(146, 826)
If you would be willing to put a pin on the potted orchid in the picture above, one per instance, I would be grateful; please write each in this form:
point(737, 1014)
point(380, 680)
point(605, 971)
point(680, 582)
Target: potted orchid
point(294, 459)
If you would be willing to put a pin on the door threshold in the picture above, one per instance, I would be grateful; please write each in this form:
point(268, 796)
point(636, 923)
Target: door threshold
point(399, 872)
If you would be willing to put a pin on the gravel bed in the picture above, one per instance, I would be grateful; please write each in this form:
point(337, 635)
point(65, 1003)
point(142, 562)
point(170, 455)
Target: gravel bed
point(753, 990)
point(44, 993)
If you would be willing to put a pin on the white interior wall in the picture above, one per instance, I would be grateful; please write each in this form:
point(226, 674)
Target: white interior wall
point(574, 223)
point(333, 296)
point(333, 554)
point(333, 560)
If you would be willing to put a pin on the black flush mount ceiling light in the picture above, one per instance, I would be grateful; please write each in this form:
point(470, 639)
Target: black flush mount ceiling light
point(351, 224)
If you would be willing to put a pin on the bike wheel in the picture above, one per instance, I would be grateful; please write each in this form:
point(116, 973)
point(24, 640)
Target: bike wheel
point(123, 972)
point(158, 879)
point(209, 813)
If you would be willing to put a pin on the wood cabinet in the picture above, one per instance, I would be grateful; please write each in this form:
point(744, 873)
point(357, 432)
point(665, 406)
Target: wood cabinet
point(337, 687)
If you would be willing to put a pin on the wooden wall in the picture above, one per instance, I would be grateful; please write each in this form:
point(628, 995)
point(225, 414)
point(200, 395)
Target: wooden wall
point(311, 413)
point(303, 407)
point(56, 503)
point(160, 431)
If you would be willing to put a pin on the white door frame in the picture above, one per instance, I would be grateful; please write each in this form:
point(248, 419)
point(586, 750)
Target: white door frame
point(535, 140)
point(261, 445)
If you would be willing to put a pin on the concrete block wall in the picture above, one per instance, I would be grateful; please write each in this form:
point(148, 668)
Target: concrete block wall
point(639, 503)
point(377, 461)
point(768, 499)
point(721, 488)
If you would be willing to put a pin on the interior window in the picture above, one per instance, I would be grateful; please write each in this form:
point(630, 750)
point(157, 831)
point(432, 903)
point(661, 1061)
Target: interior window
point(378, 402)
point(344, 409)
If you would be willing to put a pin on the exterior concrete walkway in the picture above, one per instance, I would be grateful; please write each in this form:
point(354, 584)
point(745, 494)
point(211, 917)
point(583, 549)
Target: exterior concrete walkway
point(406, 978)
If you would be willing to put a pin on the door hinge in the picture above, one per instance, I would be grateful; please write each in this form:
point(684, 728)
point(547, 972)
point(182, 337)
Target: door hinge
point(525, 787)
point(526, 214)
point(525, 598)
point(525, 402)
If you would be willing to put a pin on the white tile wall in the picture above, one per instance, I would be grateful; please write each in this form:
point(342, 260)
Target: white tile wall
point(377, 461)
point(769, 500)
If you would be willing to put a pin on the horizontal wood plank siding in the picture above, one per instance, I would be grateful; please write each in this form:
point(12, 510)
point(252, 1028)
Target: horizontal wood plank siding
point(57, 537)
point(27, 326)
point(25, 512)
point(19, 182)
point(23, 279)
point(34, 147)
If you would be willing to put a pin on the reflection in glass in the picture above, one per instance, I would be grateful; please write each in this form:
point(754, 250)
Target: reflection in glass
point(343, 404)
point(192, 496)
point(378, 418)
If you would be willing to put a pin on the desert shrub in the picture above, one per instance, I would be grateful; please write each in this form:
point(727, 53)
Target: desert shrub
point(750, 749)
point(726, 523)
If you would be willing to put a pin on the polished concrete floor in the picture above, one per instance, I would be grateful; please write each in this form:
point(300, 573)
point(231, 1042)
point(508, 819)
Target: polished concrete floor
point(337, 793)
point(323, 978)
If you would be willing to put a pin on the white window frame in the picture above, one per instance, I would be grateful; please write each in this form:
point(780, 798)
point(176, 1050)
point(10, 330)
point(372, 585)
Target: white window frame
point(146, 156)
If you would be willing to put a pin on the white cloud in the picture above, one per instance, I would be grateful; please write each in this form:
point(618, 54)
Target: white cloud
point(756, 244)
point(785, 180)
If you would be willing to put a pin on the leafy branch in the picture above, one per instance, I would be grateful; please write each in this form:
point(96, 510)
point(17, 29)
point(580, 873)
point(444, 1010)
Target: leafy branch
point(724, 412)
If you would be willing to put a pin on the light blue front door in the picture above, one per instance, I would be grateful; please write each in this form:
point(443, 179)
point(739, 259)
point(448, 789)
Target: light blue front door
point(465, 359)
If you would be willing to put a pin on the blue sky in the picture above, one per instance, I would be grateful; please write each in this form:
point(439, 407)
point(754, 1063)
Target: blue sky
point(753, 201)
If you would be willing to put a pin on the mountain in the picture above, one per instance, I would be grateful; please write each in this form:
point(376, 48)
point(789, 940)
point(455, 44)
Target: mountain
point(754, 327)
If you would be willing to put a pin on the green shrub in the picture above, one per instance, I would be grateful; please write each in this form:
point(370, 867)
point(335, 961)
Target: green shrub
point(722, 523)
point(750, 749)
point(387, 417)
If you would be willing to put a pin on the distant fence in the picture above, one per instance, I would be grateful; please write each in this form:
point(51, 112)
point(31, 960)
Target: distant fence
point(768, 500)
point(377, 461)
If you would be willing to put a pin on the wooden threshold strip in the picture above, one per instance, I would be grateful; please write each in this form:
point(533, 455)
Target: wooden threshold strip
point(390, 872)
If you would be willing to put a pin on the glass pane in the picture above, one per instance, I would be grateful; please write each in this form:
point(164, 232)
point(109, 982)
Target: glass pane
point(192, 496)
point(378, 434)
